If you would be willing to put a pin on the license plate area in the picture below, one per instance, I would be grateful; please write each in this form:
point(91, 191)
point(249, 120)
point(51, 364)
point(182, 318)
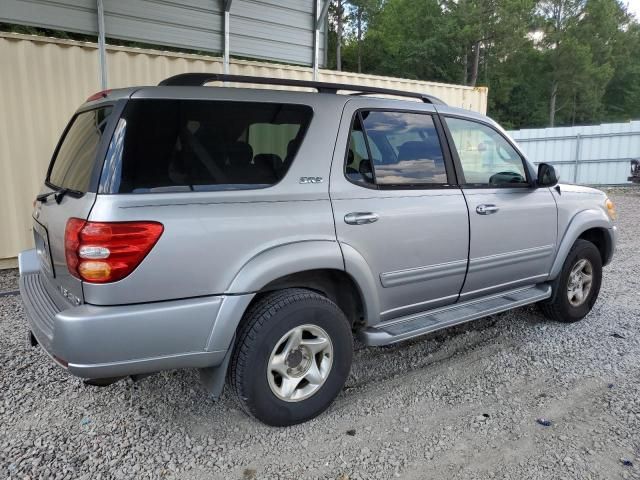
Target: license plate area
point(41, 238)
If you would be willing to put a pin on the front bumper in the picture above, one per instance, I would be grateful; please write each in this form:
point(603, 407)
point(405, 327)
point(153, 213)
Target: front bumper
point(109, 341)
point(613, 241)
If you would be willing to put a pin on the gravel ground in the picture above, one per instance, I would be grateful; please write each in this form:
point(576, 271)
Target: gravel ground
point(8, 280)
point(463, 403)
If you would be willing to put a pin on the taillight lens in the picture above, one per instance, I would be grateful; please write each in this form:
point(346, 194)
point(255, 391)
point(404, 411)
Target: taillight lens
point(98, 95)
point(102, 252)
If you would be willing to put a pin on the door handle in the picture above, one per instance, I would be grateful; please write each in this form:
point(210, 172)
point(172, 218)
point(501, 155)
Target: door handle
point(486, 209)
point(360, 218)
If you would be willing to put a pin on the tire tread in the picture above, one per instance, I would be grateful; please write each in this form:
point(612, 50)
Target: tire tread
point(552, 308)
point(255, 318)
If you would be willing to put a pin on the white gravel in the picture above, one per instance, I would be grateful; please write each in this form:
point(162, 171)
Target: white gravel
point(8, 280)
point(457, 404)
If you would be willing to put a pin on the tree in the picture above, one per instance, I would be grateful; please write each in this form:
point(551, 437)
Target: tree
point(546, 62)
point(405, 38)
point(622, 96)
point(339, 18)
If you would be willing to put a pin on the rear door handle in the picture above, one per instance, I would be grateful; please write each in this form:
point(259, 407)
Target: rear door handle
point(360, 218)
point(486, 209)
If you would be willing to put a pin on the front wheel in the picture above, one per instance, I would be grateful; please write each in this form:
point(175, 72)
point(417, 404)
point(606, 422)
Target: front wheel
point(576, 289)
point(292, 357)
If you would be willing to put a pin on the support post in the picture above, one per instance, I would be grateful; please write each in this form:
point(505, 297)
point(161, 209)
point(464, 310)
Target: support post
point(577, 159)
point(227, 15)
point(320, 12)
point(102, 49)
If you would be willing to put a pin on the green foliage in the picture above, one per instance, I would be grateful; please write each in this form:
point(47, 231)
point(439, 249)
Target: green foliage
point(561, 61)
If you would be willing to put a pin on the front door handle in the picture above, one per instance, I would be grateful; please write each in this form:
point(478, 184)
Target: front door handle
point(360, 218)
point(486, 209)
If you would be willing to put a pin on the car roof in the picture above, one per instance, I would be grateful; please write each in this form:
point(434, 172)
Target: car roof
point(261, 94)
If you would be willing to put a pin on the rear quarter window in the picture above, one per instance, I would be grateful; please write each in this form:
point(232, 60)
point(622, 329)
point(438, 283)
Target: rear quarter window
point(196, 145)
point(76, 156)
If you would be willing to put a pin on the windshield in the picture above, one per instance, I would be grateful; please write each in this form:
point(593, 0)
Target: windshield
point(75, 159)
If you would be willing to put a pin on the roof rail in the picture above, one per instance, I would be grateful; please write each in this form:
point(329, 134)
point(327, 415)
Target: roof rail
point(199, 79)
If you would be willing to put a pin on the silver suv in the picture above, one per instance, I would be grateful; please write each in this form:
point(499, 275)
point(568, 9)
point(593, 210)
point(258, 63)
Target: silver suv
point(251, 233)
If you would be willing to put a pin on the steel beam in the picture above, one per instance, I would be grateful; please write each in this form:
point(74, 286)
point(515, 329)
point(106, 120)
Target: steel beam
point(320, 13)
point(102, 49)
point(227, 16)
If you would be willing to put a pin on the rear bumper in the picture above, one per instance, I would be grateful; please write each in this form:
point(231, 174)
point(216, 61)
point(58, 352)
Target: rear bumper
point(96, 342)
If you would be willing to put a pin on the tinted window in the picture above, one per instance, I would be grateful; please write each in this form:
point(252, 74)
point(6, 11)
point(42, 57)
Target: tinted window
point(190, 145)
point(487, 158)
point(358, 165)
point(75, 159)
point(404, 147)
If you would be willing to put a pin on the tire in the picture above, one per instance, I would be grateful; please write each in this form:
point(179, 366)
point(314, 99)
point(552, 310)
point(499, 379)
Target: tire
point(559, 307)
point(271, 328)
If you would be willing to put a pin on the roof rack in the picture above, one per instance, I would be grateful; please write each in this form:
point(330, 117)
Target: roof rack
point(199, 79)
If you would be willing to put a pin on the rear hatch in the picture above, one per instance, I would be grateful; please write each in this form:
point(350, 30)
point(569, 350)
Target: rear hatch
point(69, 192)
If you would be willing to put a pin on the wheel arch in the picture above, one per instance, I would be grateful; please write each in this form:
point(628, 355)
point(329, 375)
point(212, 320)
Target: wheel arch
point(337, 285)
point(592, 225)
point(314, 264)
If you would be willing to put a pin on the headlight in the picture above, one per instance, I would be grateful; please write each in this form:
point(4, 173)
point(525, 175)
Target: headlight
point(611, 209)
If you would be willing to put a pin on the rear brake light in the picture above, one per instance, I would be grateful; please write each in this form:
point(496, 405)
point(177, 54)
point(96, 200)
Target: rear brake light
point(98, 95)
point(102, 252)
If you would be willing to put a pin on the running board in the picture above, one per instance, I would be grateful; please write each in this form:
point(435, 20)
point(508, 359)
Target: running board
point(418, 324)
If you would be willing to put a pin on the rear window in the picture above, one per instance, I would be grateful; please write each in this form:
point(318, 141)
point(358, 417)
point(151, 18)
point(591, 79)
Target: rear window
point(195, 145)
point(75, 159)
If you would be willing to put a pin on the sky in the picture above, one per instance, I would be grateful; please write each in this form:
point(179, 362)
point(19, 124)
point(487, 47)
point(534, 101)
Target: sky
point(634, 7)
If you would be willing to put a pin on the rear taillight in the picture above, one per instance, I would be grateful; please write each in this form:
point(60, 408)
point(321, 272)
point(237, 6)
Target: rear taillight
point(102, 252)
point(98, 95)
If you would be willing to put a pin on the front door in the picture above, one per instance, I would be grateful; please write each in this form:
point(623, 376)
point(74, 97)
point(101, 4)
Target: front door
point(395, 202)
point(513, 224)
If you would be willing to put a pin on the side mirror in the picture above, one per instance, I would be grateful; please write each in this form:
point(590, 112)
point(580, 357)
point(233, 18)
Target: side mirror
point(546, 175)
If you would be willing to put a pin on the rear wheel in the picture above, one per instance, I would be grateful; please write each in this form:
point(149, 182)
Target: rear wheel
point(576, 289)
point(292, 357)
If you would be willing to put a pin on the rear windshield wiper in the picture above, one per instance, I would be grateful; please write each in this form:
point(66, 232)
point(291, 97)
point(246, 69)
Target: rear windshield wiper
point(58, 195)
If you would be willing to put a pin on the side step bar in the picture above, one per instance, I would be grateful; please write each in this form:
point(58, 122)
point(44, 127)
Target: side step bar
point(418, 324)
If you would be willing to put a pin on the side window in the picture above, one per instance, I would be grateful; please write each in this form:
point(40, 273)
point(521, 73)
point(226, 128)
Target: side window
point(197, 145)
point(487, 158)
point(76, 156)
point(395, 149)
point(358, 164)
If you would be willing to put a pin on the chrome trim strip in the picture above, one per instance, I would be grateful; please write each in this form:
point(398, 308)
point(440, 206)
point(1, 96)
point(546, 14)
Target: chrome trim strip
point(422, 274)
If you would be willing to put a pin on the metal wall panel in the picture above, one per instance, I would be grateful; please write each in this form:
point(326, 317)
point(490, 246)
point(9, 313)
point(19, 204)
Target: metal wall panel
point(594, 155)
point(264, 29)
point(71, 15)
point(44, 81)
point(194, 24)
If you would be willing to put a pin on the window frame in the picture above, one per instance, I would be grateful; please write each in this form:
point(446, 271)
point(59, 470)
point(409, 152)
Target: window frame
point(458, 163)
point(449, 165)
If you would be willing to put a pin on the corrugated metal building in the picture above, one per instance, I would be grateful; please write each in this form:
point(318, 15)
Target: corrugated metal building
point(44, 80)
point(280, 30)
point(592, 155)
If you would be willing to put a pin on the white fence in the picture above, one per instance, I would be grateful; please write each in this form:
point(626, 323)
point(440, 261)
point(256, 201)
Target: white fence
point(593, 155)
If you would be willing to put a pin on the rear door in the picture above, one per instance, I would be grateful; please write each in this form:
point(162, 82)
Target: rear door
point(396, 203)
point(74, 168)
point(513, 224)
